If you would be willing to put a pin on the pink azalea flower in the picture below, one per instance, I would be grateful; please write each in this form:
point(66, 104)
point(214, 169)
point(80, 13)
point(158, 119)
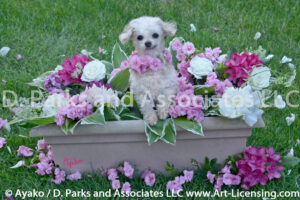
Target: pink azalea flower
point(24, 151)
point(128, 170)
point(226, 169)
point(260, 177)
point(9, 197)
point(41, 144)
point(126, 188)
point(59, 176)
point(188, 175)
point(150, 179)
point(249, 181)
point(2, 142)
point(219, 183)
point(210, 177)
point(180, 180)
point(230, 179)
point(75, 176)
point(176, 45)
point(104, 173)
point(274, 170)
point(145, 173)
point(174, 187)
point(116, 184)
point(112, 174)
point(188, 48)
point(272, 156)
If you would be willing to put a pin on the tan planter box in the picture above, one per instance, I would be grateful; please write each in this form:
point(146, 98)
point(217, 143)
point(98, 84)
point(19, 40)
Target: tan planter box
point(95, 147)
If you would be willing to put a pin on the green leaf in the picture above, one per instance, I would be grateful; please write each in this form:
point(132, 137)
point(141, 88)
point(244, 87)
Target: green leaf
point(189, 125)
point(33, 122)
point(96, 118)
point(118, 56)
point(110, 115)
point(109, 67)
point(203, 89)
point(131, 116)
point(120, 81)
point(169, 132)
point(69, 126)
point(158, 128)
point(290, 161)
point(151, 136)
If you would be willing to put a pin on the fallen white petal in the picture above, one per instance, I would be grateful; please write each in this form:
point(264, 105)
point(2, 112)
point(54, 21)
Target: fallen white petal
point(291, 153)
point(279, 103)
point(193, 28)
point(19, 164)
point(86, 53)
point(290, 120)
point(269, 57)
point(285, 60)
point(4, 51)
point(257, 36)
point(289, 171)
point(8, 149)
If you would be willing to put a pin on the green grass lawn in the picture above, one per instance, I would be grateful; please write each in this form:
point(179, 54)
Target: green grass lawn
point(42, 31)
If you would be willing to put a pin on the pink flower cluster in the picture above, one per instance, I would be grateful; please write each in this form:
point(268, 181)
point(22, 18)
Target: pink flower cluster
point(213, 55)
point(112, 174)
point(182, 51)
point(258, 165)
point(100, 84)
point(175, 185)
point(186, 103)
point(2, 142)
point(219, 85)
point(52, 83)
point(72, 69)
point(240, 65)
point(24, 151)
point(77, 108)
point(148, 177)
point(124, 65)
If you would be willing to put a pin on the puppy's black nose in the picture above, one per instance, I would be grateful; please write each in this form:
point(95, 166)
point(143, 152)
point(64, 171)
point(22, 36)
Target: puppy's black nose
point(148, 44)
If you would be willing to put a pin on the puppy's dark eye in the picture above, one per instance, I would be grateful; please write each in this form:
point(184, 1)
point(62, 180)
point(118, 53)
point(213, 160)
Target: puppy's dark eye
point(155, 35)
point(140, 37)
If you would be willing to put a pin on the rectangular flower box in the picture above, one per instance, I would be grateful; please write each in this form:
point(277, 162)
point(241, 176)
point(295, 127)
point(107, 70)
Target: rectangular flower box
point(93, 147)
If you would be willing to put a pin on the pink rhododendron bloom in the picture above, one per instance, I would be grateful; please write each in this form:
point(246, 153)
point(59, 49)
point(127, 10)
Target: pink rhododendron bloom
point(176, 45)
point(115, 184)
point(188, 48)
point(188, 175)
point(249, 181)
point(59, 176)
point(260, 177)
point(72, 69)
point(24, 151)
point(273, 157)
point(240, 65)
point(210, 177)
point(75, 176)
point(112, 174)
point(126, 188)
point(150, 179)
point(128, 170)
point(230, 179)
point(274, 170)
point(2, 142)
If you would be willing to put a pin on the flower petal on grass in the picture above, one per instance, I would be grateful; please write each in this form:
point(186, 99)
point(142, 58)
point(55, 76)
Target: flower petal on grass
point(257, 36)
point(4, 51)
point(290, 120)
point(19, 164)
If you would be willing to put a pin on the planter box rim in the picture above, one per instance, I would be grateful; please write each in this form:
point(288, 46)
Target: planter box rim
point(138, 126)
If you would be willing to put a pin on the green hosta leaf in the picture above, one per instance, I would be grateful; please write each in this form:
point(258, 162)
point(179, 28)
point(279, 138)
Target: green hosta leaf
point(169, 132)
point(96, 118)
point(118, 56)
point(159, 128)
point(69, 126)
point(203, 90)
point(290, 161)
point(109, 67)
point(151, 136)
point(189, 125)
point(120, 81)
point(110, 115)
point(131, 116)
point(33, 122)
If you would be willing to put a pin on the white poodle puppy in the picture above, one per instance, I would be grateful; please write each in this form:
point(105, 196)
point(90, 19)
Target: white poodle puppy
point(153, 91)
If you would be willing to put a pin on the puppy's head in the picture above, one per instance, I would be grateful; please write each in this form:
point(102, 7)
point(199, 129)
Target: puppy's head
point(147, 34)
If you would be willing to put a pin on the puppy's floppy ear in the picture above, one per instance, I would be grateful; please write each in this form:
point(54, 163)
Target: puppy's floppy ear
point(126, 34)
point(169, 28)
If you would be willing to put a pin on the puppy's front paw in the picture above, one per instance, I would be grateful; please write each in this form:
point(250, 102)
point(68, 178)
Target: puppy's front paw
point(151, 118)
point(163, 113)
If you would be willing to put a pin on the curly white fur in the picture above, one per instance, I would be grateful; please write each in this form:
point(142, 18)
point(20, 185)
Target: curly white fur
point(152, 89)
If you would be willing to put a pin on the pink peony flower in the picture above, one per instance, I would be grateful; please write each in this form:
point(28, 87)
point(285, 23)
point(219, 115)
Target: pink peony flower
point(116, 184)
point(112, 174)
point(128, 170)
point(75, 176)
point(176, 45)
point(59, 176)
point(240, 65)
point(230, 179)
point(24, 151)
point(126, 188)
point(188, 48)
point(188, 175)
point(150, 179)
point(210, 177)
point(2, 142)
point(72, 69)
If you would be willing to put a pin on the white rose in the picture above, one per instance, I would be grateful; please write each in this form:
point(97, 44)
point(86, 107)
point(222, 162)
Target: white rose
point(241, 102)
point(53, 104)
point(93, 71)
point(200, 67)
point(260, 78)
point(4, 51)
